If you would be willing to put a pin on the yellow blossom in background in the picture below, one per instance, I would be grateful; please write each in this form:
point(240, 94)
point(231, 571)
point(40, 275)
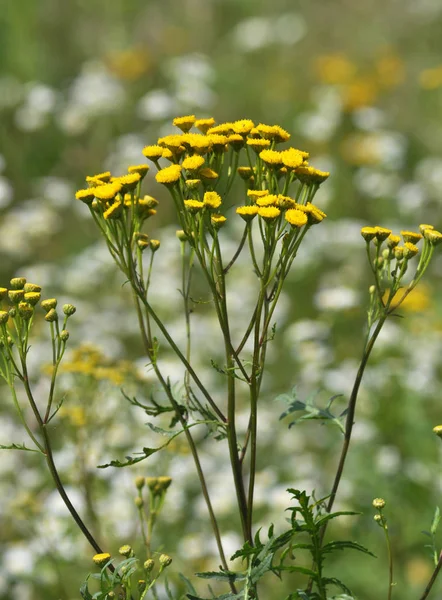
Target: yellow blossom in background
point(130, 64)
point(419, 300)
point(271, 157)
point(390, 70)
point(208, 173)
point(334, 68)
point(129, 181)
point(217, 220)
point(382, 233)
point(104, 177)
point(86, 195)
point(293, 158)
point(268, 200)
point(411, 236)
point(222, 129)
point(114, 211)
point(258, 144)
point(140, 169)
point(311, 175)
point(361, 92)
point(254, 194)
point(431, 79)
point(392, 240)
point(410, 250)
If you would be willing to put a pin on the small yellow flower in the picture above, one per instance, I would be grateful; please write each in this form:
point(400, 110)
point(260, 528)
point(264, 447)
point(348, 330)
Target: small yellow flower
point(169, 175)
point(378, 503)
point(268, 200)
point(139, 482)
point(154, 153)
point(25, 310)
point(198, 142)
point(392, 240)
point(424, 226)
point(125, 550)
point(314, 214)
point(255, 194)
point(269, 213)
point(16, 296)
point(154, 245)
point(411, 236)
point(382, 233)
point(271, 157)
point(194, 206)
point(217, 221)
point(185, 123)
point(293, 158)
point(86, 195)
point(218, 142)
point(172, 142)
point(104, 177)
point(236, 141)
point(258, 144)
point(311, 175)
point(141, 169)
point(222, 129)
point(243, 126)
point(212, 199)
point(4, 292)
point(17, 283)
point(48, 304)
point(295, 217)
point(204, 124)
point(433, 236)
point(193, 163)
point(368, 233)
point(32, 298)
point(114, 211)
point(4, 317)
point(273, 132)
point(280, 134)
point(247, 212)
point(165, 560)
point(410, 250)
point(129, 181)
point(108, 191)
point(101, 559)
point(208, 173)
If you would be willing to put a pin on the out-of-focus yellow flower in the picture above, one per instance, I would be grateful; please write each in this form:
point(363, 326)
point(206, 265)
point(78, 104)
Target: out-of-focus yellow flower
point(390, 70)
point(131, 64)
point(431, 79)
point(335, 69)
point(361, 92)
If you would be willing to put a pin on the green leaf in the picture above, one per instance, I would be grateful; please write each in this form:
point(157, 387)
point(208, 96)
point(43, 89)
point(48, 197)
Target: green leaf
point(161, 431)
point(261, 569)
point(436, 520)
point(84, 591)
point(312, 411)
point(346, 544)
point(20, 447)
point(230, 596)
point(187, 582)
point(330, 516)
point(298, 569)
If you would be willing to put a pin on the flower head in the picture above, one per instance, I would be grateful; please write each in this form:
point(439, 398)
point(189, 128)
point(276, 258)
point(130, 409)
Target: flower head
point(129, 181)
point(269, 213)
point(271, 157)
point(194, 206)
point(243, 126)
point(218, 220)
point(193, 163)
point(185, 123)
point(212, 199)
point(368, 233)
point(140, 169)
point(247, 212)
point(433, 236)
point(378, 503)
point(101, 559)
point(154, 153)
point(108, 191)
point(293, 158)
point(169, 175)
point(410, 250)
point(411, 236)
point(207, 173)
point(310, 175)
point(295, 217)
point(86, 195)
point(258, 144)
point(204, 124)
point(255, 194)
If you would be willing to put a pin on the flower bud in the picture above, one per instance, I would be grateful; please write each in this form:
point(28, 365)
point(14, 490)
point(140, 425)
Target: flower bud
point(181, 235)
point(32, 287)
point(378, 503)
point(165, 560)
point(32, 298)
point(4, 317)
point(164, 482)
point(64, 335)
point(3, 293)
point(51, 316)
point(154, 245)
point(48, 304)
point(149, 564)
point(438, 430)
point(139, 482)
point(12, 312)
point(139, 502)
point(69, 309)
point(25, 310)
point(16, 296)
point(17, 283)
point(126, 550)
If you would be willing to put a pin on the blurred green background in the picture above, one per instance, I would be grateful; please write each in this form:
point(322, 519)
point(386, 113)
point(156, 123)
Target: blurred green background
point(83, 87)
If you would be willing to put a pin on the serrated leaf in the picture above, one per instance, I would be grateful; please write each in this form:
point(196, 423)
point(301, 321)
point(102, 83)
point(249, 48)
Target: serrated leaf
point(161, 431)
point(313, 412)
point(261, 569)
point(338, 583)
point(346, 544)
point(298, 569)
point(187, 582)
point(19, 447)
point(230, 596)
point(436, 520)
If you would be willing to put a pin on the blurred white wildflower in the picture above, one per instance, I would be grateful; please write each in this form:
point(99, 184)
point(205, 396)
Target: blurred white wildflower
point(156, 105)
point(337, 298)
point(258, 32)
point(127, 150)
point(428, 173)
point(39, 102)
point(320, 123)
point(388, 460)
point(375, 183)
point(340, 380)
point(57, 191)
point(191, 77)
point(6, 192)
point(369, 118)
point(18, 559)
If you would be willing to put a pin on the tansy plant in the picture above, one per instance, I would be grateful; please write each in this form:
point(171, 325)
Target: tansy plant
point(198, 165)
